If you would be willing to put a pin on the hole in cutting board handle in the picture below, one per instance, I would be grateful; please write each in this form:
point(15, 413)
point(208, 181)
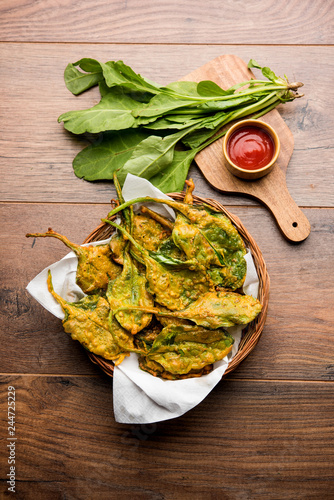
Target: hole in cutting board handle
point(295, 224)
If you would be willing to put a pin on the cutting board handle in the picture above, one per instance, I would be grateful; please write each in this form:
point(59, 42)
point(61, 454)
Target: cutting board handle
point(271, 190)
point(289, 217)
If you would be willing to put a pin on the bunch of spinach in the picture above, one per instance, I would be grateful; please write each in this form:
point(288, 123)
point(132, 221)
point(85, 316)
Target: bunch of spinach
point(155, 131)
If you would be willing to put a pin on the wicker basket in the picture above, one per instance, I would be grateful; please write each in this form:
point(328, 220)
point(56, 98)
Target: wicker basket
point(253, 330)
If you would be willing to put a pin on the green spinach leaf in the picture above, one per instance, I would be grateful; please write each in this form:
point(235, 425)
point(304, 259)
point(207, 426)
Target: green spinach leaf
point(113, 112)
point(77, 82)
point(197, 111)
point(173, 177)
point(151, 156)
point(207, 88)
point(107, 154)
point(118, 73)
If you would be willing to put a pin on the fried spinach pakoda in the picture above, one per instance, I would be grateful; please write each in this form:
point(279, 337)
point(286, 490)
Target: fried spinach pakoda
point(88, 322)
point(95, 266)
point(185, 349)
point(130, 288)
point(163, 289)
point(207, 238)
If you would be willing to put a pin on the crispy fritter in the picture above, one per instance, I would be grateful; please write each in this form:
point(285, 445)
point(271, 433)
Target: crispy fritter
point(129, 289)
point(157, 370)
point(220, 309)
point(164, 290)
point(95, 265)
point(180, 349)
point(88, 322)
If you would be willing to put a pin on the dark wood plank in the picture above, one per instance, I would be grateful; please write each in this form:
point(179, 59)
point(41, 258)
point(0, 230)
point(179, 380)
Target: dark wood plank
point(297, 338)
point(137, 21)
point(39, 152)
point(247, 439)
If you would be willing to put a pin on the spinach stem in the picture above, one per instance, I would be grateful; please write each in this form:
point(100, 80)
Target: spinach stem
point(221, 134)
point(253, 90)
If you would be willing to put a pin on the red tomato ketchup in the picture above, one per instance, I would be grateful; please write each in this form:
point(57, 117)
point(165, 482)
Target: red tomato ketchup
point(250, 147)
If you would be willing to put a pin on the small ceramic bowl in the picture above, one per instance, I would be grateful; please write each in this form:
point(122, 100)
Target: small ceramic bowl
point(244, 173)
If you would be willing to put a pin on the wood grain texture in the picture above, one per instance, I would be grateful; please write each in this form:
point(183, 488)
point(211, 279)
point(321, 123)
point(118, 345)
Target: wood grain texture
point(297, 338)
point(39, 152)
point(281, 442)
point(170, 21)
point(266, 431)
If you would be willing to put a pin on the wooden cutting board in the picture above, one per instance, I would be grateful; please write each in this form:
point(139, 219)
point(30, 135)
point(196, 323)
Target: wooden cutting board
point(271, 190)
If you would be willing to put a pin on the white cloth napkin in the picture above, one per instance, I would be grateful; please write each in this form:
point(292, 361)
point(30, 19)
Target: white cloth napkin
point(138, 397)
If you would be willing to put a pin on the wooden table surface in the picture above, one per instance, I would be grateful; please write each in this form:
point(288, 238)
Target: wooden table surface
point(264, 432)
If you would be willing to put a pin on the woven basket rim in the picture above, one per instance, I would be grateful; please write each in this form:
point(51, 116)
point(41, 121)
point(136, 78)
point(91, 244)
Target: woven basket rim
point(252, 331)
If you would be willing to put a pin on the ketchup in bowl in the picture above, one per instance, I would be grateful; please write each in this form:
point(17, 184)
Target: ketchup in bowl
point(250, 147)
